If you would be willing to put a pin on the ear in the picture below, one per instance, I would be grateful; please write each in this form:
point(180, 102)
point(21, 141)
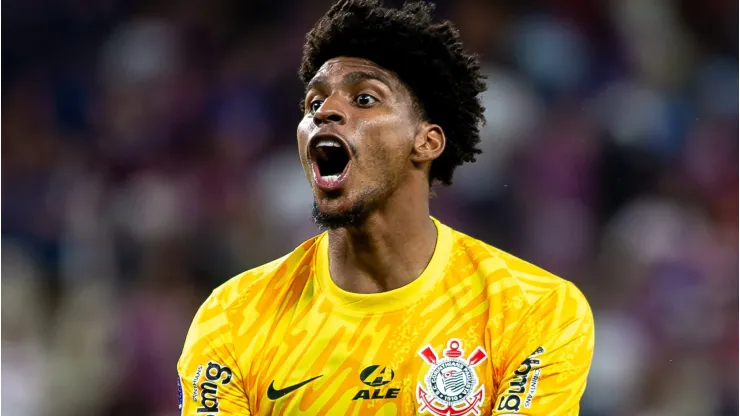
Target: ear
point(428, 143)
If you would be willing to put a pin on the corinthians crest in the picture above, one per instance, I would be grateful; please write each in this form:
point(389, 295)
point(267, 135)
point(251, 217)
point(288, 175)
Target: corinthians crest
point(451, 382)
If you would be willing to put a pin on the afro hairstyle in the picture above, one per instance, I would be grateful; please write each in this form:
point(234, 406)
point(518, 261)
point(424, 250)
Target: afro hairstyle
point(427, 57)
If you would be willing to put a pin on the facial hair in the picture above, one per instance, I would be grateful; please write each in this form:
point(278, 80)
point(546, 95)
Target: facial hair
point(331, 221)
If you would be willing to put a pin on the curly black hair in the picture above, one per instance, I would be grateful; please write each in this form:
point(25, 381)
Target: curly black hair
point(427, 57)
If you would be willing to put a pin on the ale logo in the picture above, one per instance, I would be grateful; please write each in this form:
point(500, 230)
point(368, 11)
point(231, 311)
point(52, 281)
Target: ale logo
point(377, 376)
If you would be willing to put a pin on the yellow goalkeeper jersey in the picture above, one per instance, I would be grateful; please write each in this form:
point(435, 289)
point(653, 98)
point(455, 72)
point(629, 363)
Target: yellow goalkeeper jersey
point(480, 332)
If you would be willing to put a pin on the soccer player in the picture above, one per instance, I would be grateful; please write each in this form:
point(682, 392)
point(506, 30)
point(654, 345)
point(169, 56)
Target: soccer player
point(388, 311)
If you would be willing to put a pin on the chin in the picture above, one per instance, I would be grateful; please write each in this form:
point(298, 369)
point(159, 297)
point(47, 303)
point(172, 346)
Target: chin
point(331, 218)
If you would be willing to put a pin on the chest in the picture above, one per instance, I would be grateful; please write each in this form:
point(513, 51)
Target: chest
point(399, 364)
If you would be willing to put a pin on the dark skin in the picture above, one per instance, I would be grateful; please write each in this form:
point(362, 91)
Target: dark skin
point(387, 180)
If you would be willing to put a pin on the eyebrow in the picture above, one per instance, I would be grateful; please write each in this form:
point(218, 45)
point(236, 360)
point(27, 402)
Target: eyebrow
point(351, 78)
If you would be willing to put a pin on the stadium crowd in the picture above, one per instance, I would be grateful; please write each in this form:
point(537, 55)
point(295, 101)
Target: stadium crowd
point(149, 155)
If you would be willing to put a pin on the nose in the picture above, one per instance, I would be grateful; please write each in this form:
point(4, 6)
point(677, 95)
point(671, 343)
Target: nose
point(329, 112)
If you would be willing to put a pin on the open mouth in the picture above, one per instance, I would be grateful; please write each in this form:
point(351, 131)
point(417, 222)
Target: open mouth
point(330, 158)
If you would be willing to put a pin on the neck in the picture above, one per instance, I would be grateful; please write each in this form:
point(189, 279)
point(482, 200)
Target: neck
point(389, 250)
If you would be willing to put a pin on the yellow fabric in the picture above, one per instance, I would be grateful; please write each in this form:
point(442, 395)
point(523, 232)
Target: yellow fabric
point(497, 336)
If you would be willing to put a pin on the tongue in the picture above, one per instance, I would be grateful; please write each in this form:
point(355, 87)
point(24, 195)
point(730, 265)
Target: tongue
point(324, 153)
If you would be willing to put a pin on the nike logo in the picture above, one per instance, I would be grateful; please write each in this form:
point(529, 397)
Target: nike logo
point(274, 394)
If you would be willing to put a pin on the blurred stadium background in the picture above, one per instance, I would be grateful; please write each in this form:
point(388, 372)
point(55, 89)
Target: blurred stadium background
point(149, 154)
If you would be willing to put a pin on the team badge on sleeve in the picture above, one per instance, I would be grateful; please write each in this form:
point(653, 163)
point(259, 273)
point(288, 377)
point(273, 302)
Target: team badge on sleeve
point(451, 382)
point(179, 393)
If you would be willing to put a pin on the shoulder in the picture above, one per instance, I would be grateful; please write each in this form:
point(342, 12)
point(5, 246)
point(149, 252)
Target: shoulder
point(514, 278)
point(225, 308)
point(529, 307)
point(268, 277)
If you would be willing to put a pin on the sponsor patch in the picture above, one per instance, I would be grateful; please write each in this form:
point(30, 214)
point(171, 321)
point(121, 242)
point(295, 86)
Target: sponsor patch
point(523, 382)
point(377, 378)
point(216, 375)
point(196, 379)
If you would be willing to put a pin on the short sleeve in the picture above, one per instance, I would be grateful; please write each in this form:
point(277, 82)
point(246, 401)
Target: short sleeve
point(208, 375)
point(548, 358)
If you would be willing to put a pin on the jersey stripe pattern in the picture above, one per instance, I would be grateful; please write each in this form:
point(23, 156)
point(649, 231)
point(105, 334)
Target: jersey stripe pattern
point(480, 332)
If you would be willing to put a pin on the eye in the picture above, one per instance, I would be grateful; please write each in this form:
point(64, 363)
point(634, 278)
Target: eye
point(365, 100)
point(315, 105)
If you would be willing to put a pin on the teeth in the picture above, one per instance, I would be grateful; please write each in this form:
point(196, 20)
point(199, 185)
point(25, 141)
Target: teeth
point(329, 143)
point(331, 177)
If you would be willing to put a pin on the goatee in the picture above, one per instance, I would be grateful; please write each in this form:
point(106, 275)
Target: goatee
point(331, 221)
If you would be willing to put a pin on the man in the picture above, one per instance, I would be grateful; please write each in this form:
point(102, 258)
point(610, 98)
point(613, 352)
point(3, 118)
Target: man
point(388, 312)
